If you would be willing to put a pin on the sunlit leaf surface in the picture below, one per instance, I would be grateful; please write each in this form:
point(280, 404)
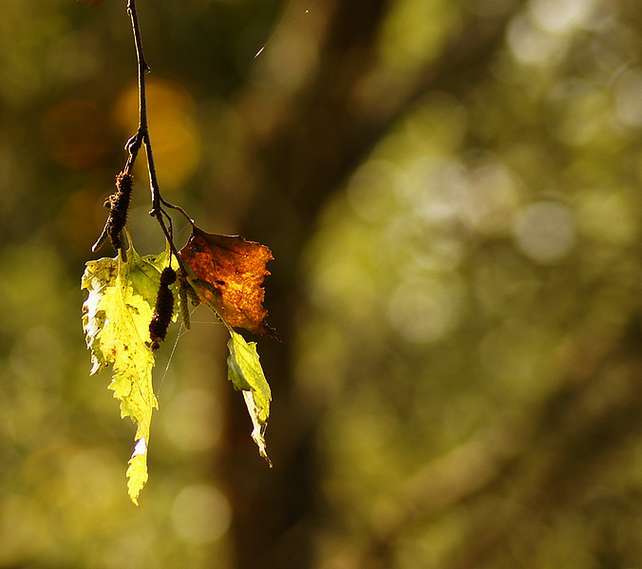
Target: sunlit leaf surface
point(115, 320)
point(229, 274)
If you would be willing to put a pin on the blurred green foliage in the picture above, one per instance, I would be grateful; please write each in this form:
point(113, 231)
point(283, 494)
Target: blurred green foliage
point(468, 333)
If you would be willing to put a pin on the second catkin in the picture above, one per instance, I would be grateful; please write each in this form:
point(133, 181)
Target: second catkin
point(163, 310)
point(118, 204)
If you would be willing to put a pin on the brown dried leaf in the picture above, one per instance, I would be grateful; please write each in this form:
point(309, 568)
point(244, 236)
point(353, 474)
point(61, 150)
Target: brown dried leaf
point(229, 273)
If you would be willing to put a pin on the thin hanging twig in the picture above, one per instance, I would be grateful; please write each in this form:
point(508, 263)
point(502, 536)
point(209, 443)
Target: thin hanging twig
point(142, 138)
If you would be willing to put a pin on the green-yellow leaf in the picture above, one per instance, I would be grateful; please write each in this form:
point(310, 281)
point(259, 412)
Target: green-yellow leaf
point(116, 317)
point(144, 272)
point(246, 374)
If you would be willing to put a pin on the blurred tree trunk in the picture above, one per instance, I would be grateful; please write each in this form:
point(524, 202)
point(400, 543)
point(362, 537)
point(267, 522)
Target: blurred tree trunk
point(322, 132)
point(299, 163)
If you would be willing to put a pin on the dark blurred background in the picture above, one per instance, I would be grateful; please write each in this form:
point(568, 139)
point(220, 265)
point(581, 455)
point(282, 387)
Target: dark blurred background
point(452, 193)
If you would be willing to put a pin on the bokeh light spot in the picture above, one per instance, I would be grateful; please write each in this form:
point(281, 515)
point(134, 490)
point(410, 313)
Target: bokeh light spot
point(531, 45)
point(545, 231)
point(425, 310)
point(74, 133)
point(173, 129)
point(200, 514)
point(628, 98)
point(558, 16)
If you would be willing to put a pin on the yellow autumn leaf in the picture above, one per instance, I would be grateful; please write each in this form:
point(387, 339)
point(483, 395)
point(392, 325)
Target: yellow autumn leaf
point(116, 317)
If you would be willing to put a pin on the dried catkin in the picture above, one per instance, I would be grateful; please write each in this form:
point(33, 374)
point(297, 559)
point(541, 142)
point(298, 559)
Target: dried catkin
point(163, 309)
point(118, 204)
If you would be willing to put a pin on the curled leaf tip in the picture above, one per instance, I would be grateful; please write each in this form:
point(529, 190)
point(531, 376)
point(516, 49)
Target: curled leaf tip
point(246, 374)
